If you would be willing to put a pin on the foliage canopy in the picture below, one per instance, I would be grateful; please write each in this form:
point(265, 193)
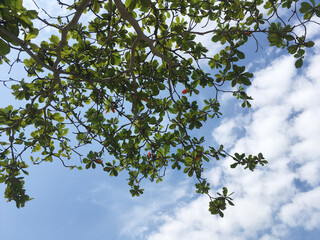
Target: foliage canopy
point(125, 76)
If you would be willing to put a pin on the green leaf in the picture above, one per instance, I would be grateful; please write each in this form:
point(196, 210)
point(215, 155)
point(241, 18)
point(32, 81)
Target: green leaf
point(96, 6)
point(131, 4)
point(225, 191)
point(32, 34)
point(57, 117)
point(246, 81)
point(309, 44)
point(216, 38)
point(186, 170)
point(32, 14)
point(305, 7)
point(4, 48)
point(15, 5)
point(293, 49)
point(240, 55)
point(234, 165)
point(54, 39)
point(299, 63)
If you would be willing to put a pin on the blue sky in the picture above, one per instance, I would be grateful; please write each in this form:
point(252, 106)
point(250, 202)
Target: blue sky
point(278, 201)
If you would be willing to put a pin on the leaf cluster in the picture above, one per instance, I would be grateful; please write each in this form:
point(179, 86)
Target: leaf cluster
point(128, 82)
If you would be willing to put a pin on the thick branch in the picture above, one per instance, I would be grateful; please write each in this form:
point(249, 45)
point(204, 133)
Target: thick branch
point(133, 49)
point(126, 16)
point(66, 29)
point(63, 43)
point(24, 46)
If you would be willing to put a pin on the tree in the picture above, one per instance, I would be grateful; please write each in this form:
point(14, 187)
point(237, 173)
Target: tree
point(125, 76)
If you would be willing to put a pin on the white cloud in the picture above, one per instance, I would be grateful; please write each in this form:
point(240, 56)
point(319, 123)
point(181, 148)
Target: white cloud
point(225, 133)
point(303, 210)
point(141, 213)
point(310, 173)
point(273, 82)
point(284, 125)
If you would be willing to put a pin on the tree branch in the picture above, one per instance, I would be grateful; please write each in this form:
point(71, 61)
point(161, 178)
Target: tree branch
point(66, 29)
point(126, 16)
point(24, 46)
point(63, 43)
